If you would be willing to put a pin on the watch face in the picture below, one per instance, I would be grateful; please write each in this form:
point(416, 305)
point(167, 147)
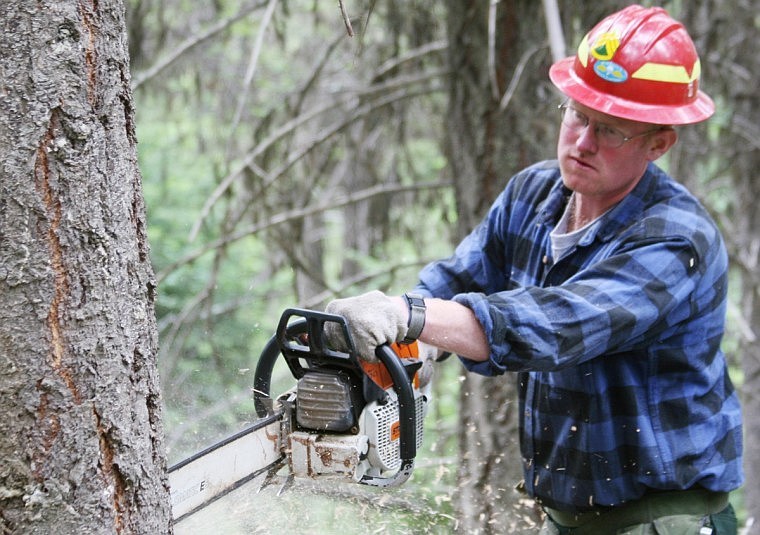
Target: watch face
point(415, 300)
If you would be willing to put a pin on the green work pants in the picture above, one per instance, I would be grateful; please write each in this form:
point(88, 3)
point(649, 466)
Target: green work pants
point(693, 512)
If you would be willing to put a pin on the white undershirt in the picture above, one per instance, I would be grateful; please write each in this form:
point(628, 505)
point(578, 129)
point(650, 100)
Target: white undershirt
point(562, 241)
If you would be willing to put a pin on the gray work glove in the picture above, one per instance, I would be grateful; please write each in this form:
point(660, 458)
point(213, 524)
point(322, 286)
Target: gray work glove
point(428, 356)
point(373, 319)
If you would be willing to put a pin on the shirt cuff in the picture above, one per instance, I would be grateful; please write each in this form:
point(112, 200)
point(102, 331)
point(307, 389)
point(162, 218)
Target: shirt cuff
point(479, 305)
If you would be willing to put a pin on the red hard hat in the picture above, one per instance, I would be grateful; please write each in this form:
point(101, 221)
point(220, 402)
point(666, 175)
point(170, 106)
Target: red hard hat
point(637, 64)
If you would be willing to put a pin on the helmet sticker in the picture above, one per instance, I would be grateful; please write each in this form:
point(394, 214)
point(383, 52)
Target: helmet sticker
point(605, 46)
point(610, 71)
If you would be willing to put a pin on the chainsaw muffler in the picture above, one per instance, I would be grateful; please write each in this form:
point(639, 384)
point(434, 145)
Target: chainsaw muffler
point(327, 402)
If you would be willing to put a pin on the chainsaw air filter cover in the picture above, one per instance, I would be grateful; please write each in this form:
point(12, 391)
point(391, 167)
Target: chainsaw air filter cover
point(325, 403)
point(381, 424)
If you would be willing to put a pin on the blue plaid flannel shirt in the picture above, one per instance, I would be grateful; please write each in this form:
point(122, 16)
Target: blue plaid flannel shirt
point(622, 383)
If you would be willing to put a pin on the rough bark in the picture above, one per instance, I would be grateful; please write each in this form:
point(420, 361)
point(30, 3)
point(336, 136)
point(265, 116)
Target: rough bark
point(81, 439)
point(488, 140)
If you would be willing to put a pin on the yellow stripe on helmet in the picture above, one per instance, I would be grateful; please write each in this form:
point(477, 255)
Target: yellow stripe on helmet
point(659, 72)
point(583, 52)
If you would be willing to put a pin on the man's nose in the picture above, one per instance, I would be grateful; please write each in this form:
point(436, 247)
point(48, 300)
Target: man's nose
point(587, 140)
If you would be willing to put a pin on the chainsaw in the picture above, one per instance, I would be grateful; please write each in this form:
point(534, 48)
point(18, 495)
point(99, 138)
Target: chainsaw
point(344, 419)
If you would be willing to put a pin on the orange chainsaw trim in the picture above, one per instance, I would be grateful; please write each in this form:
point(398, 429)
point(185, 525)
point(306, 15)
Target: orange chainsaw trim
point(395, 431)
point(379, 373)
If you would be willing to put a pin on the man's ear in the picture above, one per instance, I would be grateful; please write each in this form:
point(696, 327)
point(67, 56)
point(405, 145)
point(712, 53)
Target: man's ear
point(661, 141)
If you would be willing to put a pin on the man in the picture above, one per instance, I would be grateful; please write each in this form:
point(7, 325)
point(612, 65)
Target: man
point(601, 282)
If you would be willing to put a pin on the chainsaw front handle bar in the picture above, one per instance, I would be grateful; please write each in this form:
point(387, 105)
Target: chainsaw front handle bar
point(407, 420)
point(262, 377)
point(407, 412)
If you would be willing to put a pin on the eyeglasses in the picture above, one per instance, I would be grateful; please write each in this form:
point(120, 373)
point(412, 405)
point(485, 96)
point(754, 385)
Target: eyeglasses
point(606, 135)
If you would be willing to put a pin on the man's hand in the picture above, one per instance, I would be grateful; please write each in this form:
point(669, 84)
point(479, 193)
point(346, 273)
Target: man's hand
point(428, 355)
point(373, 319)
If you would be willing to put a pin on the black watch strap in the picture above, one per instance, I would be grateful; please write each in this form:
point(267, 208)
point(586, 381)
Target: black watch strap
point(416, 323)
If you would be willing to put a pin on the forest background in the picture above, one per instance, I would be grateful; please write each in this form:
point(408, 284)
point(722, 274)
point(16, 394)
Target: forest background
point(286, 162)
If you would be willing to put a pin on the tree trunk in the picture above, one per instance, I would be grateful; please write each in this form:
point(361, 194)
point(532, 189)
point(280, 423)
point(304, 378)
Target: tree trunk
point(81, 438)
point(488, 140)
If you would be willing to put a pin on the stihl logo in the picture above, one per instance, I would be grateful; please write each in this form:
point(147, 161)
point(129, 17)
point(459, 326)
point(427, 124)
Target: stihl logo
point(182, 495)
point(395, 430)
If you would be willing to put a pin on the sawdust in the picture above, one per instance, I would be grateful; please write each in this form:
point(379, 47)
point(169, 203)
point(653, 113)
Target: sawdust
point(321, 508)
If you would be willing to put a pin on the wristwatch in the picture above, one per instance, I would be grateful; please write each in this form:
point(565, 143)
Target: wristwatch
point(416, 323)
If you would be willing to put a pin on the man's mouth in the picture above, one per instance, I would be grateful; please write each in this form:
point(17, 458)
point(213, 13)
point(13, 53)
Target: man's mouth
point(581, 162)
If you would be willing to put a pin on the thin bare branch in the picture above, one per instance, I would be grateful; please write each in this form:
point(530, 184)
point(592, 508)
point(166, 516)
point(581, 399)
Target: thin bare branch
point(507, 97)
point(327, 133)
point(167, 356)
point(492, 76)
point(492, 11)
point(346, 19)
point(192, 42)
point(361, 279)
point(742, 324)
point(410, 55)
point(252, 63)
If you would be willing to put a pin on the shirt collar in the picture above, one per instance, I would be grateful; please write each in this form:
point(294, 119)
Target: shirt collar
point(621, 216)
